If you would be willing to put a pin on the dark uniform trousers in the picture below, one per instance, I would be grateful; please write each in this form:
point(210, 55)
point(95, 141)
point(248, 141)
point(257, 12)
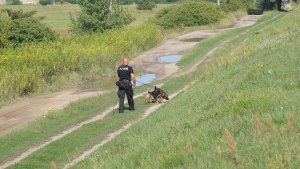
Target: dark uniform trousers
point(121, 95)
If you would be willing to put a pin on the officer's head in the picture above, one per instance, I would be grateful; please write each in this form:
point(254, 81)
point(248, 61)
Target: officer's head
point(125, 61)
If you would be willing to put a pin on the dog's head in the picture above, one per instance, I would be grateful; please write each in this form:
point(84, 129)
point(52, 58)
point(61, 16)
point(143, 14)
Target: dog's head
point(164, 95)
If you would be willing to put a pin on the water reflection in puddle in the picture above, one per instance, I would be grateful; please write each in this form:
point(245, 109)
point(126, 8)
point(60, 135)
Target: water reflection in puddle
point(145, 79)
point(169, 58)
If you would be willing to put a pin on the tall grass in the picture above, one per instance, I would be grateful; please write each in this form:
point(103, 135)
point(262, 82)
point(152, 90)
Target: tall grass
point(28, 69)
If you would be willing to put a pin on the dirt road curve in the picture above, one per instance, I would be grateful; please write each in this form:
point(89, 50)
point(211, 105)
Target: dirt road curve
point(18, 115)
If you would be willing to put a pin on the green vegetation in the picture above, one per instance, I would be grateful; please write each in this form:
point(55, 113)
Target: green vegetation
point(33, 68)
point(145, 4)
point(243, 111)
point(22, 27)
point(126, 2)
point(13, 2)
point(46, 2)
point(189, 14)
point(57, 17)
point(98, 16)
point(233, 5)
point(5, 25)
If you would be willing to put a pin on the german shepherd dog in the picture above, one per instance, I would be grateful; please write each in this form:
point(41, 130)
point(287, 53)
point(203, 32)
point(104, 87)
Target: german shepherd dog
point(156, 95)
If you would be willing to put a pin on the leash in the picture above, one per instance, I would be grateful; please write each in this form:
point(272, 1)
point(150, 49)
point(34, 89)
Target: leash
point(144, 83)
point(115, 106)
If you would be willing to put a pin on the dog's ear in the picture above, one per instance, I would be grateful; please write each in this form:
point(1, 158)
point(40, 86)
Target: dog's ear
point(155, 87)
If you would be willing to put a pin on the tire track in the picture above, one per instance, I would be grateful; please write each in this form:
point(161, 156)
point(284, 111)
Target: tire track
point(114, 134)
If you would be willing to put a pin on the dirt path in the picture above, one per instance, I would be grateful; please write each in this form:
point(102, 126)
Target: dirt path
point(147, 62)
point(19, 114)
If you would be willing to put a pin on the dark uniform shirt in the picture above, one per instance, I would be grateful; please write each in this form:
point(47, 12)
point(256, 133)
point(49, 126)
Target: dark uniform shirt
point(124, 72)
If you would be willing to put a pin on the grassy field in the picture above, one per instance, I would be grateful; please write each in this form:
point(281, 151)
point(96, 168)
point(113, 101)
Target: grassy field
point(243, 112)
point(58, 16)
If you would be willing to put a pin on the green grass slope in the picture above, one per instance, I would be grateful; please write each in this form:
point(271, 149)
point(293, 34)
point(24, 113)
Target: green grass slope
point(243, 111)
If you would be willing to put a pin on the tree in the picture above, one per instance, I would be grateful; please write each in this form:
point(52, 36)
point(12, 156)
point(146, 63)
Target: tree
point(98, 16)
point(145, 4)
point(21, 27)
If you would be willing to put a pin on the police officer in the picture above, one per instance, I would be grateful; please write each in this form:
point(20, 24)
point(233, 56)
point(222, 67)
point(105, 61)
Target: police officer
point(126, 74)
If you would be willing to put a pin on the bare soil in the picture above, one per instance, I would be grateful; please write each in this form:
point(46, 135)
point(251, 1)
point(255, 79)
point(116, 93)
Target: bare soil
point(17, 115)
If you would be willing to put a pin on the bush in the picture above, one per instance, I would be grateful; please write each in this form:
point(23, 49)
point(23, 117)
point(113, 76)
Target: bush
point(72, 1)
point(127, 2)
point(189, 14)
point(267, 5)
point(13, 2)
point(232, 5)
point(45, 2)
point(5, 24)
point(255, 11)
point(98, 16)
point(145, 4)
point(24, 28)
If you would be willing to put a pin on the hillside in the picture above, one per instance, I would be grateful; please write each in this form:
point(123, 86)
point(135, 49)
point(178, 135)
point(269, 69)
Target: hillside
point(243, 111)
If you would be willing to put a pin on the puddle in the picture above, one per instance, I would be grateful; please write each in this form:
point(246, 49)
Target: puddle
point(169, 58)
point(194, 39)
point(146, 78)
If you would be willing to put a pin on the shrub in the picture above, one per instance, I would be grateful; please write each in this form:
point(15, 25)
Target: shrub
point(126, 2)
point(189, 14)
point(98, 16)
point(13, 2)
point(267, 5)
point(232, 5)
point(24, 28)
point(255, 11)
point(5, 24)
point(145, 4)
point(72, 1)
point(45, 2)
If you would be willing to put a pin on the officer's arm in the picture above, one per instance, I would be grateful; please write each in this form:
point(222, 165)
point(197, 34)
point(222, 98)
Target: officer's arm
point(133, 79)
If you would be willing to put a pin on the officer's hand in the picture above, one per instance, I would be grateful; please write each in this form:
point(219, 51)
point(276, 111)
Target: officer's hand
point(134, 85)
